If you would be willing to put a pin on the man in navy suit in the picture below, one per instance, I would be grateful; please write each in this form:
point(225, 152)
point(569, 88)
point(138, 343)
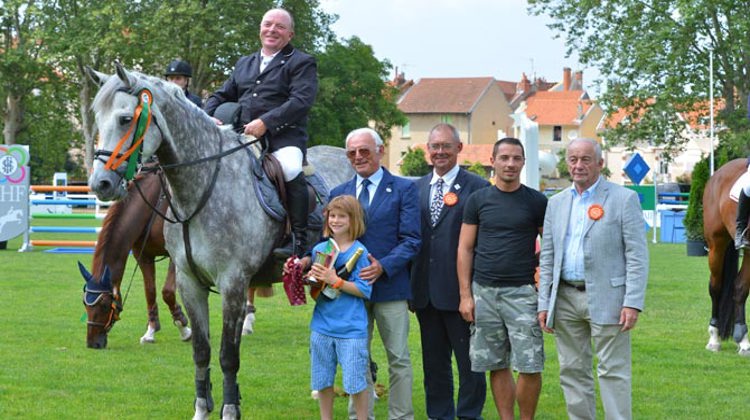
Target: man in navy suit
point(392, 240)
point(434, 282)
point(276, 88)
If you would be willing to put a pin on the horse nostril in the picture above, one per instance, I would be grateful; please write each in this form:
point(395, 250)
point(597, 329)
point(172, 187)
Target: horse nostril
point(104, 185)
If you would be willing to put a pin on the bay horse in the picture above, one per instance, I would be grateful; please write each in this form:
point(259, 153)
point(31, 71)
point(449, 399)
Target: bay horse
point(728, 287)
point(131, 225)
point(218, 234)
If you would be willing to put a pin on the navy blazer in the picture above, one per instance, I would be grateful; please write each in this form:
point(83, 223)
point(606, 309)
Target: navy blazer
point(434, 277)
point(281, 96)
point(392, 234)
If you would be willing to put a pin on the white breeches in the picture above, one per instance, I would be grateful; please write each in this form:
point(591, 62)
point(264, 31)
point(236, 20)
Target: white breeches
point(290, 158)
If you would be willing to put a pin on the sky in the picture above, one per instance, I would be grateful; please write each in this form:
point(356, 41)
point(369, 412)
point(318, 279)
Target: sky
point(458, 38)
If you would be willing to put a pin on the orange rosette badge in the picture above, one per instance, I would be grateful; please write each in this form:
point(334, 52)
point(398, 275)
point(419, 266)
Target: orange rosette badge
point(450, 199)
point(596, 212)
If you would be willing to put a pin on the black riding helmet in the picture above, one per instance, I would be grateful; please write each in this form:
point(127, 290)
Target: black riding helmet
point(179, 68)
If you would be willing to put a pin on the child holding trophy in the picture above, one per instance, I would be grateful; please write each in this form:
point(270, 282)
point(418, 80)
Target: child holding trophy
point(339, 322)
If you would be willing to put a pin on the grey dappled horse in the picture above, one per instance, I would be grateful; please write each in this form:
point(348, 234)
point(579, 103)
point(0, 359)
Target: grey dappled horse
point(224, 236)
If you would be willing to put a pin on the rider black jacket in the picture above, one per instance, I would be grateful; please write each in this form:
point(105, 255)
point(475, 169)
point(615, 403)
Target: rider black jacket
point(281, 96)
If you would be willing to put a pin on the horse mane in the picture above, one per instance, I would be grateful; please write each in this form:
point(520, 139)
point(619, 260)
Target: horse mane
point(107, 240)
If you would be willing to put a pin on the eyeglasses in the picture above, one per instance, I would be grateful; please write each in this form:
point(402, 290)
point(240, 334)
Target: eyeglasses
point(438, 146)
point(365, 153)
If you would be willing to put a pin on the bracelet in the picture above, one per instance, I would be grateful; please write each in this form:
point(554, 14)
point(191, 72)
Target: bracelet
point(338, 284)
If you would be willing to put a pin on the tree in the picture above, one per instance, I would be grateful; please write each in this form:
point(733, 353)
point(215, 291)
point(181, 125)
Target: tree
point(352, 93)
point(476, 168)
point(21, 64)
point(654, 56)
point(414, 163)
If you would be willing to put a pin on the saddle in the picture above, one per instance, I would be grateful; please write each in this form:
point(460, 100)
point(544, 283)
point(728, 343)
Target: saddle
point(271, 192)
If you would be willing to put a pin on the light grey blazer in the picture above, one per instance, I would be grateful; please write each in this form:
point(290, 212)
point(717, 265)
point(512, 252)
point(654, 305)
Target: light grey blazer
point(614, 248)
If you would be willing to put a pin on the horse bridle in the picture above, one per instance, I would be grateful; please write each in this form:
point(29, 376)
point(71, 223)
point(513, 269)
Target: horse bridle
point(142, 118)
point(114, 309)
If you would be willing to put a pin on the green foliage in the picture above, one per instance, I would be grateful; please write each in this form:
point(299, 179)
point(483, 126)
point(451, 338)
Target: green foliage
point(476, 168)
point(693, 220)
point(414, 163)
point(352, 93)
point(55, 41)
point(654, 58)
point(562, 164)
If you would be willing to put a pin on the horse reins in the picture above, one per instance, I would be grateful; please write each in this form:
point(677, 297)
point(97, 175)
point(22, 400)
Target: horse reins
point(116, 159)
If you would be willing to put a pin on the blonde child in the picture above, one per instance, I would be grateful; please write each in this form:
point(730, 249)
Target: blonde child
point(339, 326)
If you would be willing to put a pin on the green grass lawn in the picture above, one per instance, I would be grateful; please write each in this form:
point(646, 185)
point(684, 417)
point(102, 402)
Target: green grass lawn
point(46, 371)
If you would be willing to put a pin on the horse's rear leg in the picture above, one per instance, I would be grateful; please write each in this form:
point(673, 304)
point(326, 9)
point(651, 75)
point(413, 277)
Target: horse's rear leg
point(149, 287)
point(233, 310)
point(716, 255)
point(195, 298)
point(248, 326)
point(170, 298)
point(740, 298)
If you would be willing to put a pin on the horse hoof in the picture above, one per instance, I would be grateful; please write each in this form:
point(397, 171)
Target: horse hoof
point(714, 347)
point(147, 340)
point(201, 409)
point(186, 333)
point(744, 352)
point(231, 412)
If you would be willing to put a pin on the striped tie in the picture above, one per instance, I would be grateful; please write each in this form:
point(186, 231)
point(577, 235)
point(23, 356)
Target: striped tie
point(437, 201)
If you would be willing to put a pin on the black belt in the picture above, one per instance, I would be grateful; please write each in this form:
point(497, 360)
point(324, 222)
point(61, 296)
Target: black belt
point(580, 288)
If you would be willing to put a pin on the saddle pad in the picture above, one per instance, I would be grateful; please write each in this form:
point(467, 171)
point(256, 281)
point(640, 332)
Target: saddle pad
point(269, 197)
point(742, 181)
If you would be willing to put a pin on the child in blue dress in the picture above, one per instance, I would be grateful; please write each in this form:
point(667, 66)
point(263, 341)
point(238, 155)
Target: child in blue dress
point(339, 326)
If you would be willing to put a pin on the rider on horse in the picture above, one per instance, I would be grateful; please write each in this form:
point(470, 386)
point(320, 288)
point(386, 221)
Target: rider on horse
point(179, 72)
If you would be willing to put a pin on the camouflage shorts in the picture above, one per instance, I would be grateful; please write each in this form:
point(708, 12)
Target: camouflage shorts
point(505, 332)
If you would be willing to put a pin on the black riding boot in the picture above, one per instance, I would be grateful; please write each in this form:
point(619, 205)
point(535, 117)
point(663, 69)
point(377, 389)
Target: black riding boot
point(297, 203)
point(743, 212)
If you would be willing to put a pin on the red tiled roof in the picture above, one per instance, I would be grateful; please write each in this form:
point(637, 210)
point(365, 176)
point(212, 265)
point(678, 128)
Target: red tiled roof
point(471, 153)
point(508, 88)
point(444, 95)
point(557, 108)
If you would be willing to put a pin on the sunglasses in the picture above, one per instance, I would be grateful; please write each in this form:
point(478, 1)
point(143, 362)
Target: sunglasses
point(365, 153)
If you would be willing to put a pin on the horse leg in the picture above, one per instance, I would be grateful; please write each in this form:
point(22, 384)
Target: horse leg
point(716, 255)
point(149, 285)
point(195, 298)
point(249, 325)
point(233, 311)
point(740, 298)
point(170, 298)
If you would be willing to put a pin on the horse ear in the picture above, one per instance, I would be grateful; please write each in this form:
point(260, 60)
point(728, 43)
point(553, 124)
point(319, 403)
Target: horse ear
point(85, 273)
point(124, 75)
point(96, 77)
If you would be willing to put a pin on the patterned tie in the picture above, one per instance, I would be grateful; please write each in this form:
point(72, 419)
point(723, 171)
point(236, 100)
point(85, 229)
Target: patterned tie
point(364, 195)
point(437, 201)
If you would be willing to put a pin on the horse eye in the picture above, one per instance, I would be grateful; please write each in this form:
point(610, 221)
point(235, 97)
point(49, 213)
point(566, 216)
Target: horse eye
point(125, 120)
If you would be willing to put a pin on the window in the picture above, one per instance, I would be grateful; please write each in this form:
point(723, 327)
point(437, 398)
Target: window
point(557, 133)
point(406, 131)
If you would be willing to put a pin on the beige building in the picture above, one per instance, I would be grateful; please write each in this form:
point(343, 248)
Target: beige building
point(476, 106)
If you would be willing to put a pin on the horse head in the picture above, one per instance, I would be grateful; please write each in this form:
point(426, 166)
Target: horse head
point(103, 306)
point(131, 127)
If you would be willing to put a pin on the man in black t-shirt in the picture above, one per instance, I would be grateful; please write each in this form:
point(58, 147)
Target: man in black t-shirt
point(496, 266)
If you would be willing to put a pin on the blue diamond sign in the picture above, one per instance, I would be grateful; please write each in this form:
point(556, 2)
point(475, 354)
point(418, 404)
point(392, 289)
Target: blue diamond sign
point(636, 168)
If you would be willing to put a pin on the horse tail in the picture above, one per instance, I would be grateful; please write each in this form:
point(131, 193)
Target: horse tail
point(726, 297)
